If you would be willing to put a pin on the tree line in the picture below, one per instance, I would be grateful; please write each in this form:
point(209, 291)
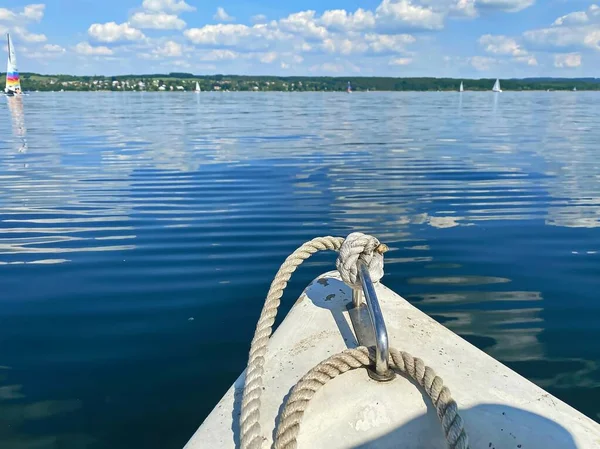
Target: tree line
point(34, 81)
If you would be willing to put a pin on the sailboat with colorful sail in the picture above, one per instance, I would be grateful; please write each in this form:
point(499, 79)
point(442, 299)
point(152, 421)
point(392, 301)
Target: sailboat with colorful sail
point(13, 83)
point(349, 88)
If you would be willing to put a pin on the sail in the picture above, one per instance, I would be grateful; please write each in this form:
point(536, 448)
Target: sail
point(13, 84)
point(349, 89)
point(497, 86)
point(462, 88)
point(197, 87)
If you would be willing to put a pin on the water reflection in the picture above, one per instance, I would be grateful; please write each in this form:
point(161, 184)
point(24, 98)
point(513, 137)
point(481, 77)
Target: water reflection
point(15, 106)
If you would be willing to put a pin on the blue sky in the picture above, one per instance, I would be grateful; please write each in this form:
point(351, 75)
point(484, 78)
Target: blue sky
point(458, 38)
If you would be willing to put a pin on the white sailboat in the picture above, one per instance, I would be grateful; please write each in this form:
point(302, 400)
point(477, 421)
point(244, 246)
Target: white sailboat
point(197, 90)
point(13, 83)
point(461, 88)
point(496, 87)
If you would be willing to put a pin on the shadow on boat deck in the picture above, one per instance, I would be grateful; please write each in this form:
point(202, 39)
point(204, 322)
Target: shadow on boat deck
point(492, 426)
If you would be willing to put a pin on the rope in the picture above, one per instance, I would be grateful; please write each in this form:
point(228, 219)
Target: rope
point(251, 437)
point(356, 246)
point(359, 246)
point(362, 357)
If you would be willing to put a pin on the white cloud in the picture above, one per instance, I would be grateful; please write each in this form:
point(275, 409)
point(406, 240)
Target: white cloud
point(344, 46)
point(505, 46)
point(567, 60)
point(529, 60)
point(29, 37)
point(222, 15)
point(51, 48)
point(157, 21)
point(339, 19)
point(574, 18)
point(402, 14)
point(501, 45)
point(303, 23)
point(6, 15)
point(167, 5)
point(335, 32)
point(389, 43)
point(592, 15)
point(482, 63)
point(268, 58)
point(260, 36)
point(220, 34)
point(565, 37)
point(30, 13)
point(219, 55)
point(170, 49)
point(505, 5)
point(579, 30)
point(400, 61)
point(368, 43)
point(259, 18)
point(34, 12)
point(83, 48)
point(465, 8)
point(284, 65)
point(112, 32)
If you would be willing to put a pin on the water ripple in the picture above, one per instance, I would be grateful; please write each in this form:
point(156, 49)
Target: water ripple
point(120, 222)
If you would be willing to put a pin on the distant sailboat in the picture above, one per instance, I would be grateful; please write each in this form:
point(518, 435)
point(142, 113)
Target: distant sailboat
point(13, 84)
point(197, 90)
point(574, 89)
point(461, 88)
point(349, 88)
point(496, 87)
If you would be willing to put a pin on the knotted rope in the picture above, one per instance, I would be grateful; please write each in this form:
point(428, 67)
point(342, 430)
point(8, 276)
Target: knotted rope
point(356, 246)
point(359, 246)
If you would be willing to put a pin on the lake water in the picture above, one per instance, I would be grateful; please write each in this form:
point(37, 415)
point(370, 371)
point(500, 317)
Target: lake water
point(124, 216)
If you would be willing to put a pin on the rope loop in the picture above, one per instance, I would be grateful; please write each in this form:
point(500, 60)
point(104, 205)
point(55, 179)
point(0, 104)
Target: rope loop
point(356, 247)
point(362, 357)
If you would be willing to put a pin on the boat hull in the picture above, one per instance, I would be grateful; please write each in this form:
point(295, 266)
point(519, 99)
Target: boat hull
point(500, 408)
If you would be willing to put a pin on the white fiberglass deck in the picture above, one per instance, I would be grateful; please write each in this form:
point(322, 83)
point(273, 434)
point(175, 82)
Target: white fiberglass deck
point(501, 409)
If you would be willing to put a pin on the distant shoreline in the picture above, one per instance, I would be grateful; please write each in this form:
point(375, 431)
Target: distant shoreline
point(243, 83)
point(566, 91)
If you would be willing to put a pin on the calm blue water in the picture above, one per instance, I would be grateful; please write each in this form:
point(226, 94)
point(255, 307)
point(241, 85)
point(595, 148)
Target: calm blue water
point(122, 216)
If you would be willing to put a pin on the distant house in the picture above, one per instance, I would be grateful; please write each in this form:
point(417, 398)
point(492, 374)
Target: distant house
point(255, 88)
point(216, 87)
point(180, 88)
point(163, 87)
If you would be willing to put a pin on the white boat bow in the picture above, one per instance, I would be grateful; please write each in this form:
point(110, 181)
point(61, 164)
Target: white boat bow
point(500, 409)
